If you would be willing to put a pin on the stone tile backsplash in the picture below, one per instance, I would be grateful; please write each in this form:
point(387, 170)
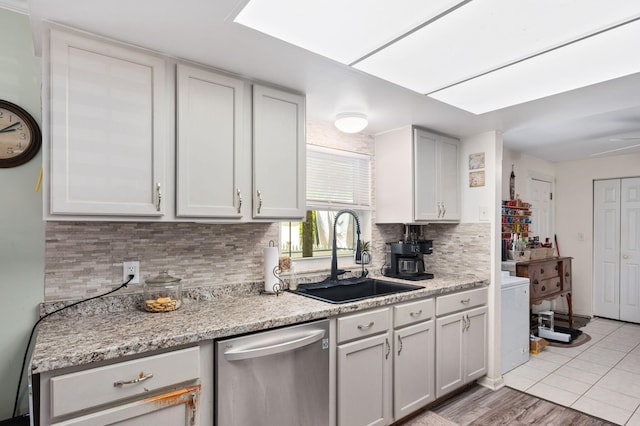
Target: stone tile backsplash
point(85, 258)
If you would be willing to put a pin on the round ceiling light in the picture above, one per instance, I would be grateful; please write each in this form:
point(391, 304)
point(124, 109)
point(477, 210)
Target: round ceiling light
point(351, 122)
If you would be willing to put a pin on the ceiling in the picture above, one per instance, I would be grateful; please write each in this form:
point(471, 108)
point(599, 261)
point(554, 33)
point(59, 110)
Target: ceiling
point(569, 126)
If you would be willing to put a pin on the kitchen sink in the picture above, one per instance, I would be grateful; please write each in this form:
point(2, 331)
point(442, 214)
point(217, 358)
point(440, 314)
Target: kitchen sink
point(351, 289)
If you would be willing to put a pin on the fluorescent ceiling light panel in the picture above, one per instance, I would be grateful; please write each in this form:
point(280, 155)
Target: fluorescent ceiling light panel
point(603, 57)
point(482, 36)
point(343, 30)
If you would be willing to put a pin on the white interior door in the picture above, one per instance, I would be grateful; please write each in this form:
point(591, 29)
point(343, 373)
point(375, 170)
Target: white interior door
point(541, 211)
point(606, 248)
point(630, 250)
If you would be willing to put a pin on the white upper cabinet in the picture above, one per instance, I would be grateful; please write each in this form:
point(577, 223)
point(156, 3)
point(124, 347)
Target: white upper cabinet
point(417, 177)
point(108, 134)
point(279, 159)
point(210, 143)
point(109, 114)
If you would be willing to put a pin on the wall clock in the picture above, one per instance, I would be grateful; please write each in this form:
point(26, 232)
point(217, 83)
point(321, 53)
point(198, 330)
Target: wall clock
point(20, 137)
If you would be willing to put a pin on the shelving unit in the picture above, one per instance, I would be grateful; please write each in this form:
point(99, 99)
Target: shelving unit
point(516, 219)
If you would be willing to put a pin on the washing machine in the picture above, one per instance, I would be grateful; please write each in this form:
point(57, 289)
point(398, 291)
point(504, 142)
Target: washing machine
point(515, 321)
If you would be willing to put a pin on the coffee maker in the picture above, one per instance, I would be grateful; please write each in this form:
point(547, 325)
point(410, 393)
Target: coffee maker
point(405, 260)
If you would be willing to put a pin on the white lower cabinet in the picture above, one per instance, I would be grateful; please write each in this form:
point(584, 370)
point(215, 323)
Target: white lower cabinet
point(175, 408)
point(385, 363)
point(162, 389)
point(364, 368)
point(461, 340)
point(413, 368)
point(364, 378)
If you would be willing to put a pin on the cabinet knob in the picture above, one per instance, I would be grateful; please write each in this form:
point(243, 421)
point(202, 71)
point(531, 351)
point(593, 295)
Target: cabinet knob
point(558, 284)
point(542, 270)
point(543, 288)
point(567, 275)
point(556, 267)
point(535, 282)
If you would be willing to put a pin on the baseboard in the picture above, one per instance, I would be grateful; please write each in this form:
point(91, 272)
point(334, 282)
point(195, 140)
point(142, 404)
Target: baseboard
point(493, 384)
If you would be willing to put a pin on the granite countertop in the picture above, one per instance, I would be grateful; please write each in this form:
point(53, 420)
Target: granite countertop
point(79, 339)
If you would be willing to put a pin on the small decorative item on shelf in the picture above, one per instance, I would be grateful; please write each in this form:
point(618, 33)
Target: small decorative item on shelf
point(365, 247)
point(286, 274)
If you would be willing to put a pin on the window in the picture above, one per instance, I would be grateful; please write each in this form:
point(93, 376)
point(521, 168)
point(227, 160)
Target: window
point(335, 180)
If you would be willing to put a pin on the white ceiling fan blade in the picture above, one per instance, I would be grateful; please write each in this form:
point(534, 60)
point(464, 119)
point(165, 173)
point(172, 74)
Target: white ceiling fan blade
point(615, 150)
point(636, 138)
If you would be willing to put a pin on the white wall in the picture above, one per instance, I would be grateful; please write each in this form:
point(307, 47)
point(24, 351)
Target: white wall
point(473, 199)
point(574, 216)
point(21, 224)
point(524, 167)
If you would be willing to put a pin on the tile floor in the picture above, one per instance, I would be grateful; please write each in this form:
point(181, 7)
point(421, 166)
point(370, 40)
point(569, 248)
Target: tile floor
point(600, 377)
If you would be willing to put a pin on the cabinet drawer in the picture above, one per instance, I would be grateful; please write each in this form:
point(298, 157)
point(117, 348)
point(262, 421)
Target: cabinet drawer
point(548, 270)
point(463, 300)
point(89, 388)
point(363, 324)
point(412, 312)
point(550, 286)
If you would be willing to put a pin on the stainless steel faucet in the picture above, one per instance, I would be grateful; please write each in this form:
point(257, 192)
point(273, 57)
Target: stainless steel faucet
point(334, 255)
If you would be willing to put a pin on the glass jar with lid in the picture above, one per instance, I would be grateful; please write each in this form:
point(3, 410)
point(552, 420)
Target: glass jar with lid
point(162, 293)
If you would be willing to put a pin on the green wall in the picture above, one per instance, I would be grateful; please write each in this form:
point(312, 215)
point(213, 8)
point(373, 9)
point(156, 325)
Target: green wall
point(21, 225)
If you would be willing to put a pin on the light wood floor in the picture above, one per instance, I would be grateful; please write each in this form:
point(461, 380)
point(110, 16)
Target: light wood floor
point(481, 406)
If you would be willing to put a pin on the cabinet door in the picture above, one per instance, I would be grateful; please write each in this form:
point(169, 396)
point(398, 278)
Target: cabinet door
point(173, 408)
point(449, 353)
point(448, 178)
point(108, 109)
point(279, 159)
point(414, 368)
point(475, 344)
point(425, 175)
point(364, 382)
point(209, 142)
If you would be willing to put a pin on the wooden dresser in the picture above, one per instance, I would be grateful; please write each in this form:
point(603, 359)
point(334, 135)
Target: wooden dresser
point(548, 278)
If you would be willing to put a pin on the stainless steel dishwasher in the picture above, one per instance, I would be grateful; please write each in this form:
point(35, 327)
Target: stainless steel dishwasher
point(274, 378)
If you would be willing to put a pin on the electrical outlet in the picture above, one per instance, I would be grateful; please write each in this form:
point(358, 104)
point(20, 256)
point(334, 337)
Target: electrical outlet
point(131, 268)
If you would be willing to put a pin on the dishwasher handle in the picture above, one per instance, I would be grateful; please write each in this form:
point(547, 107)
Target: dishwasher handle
point(298, 341)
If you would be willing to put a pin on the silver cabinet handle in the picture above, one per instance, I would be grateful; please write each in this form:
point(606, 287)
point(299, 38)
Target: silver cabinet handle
point(444, 210)
point(142, 378)
point(415, 314)
point(259, 201)
point(464, 323)
point(439, 209)
point(159, 196)
point(467, 300)
point(625, 256)
point(239, 199)
point(365, 327)
point(399, 345)
point(386, 341)
point(468, 323)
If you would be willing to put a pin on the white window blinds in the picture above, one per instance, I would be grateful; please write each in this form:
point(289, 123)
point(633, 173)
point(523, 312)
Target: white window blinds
point(336, 178)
